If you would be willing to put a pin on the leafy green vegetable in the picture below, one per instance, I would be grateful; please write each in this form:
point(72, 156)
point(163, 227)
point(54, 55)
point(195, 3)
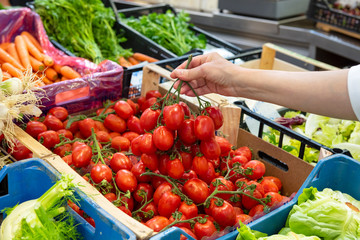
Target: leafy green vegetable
point(168, 30)
point(84, 27)
point(42, 218)
point(245, 233)
point(327, 214)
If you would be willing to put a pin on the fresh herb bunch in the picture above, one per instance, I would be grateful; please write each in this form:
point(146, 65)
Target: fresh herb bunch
point(83, 27)
point(169, 30)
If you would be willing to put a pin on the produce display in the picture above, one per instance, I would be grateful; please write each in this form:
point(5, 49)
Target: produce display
point(44, 217)
point(331, 132)
point(25, 56)
point(161, 163)
point(85, 28)
point(325, 214)
point(348, 6)
point(169, 30)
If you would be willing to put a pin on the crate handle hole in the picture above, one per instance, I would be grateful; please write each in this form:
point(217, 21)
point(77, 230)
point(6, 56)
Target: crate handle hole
point(277, 163)
point(4, 186)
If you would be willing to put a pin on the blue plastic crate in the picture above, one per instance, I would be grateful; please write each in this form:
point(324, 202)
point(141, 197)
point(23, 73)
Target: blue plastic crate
point(29, 179)
point(338, 172)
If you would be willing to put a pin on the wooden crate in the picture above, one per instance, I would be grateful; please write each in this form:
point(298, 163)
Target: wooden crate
point(151, 76)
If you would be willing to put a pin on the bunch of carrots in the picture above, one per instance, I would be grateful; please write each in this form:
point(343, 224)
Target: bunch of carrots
point(26, 54)
point(135, 59)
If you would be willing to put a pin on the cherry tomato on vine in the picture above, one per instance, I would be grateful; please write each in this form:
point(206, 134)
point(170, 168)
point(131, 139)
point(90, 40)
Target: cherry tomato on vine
point(173, 116)
point(225, 185)
point(59, 112)
point(120, 143)
point(175, 168)
point(19, 151)
point(182, 218)
point(205, 229)
point(120, 161)
point(160, 190)
point(224, 215)
point(186, 132)
point(147, 144)
point(150, 161)
point(248, 202)
point(65, 133)
point(210, 148)
point(200, 165)
point(225, 146)
point(258, 169)
point(163, 159)
point(189, 210)
point(242, 218)
point(115, 123)
point(100, 110)
point(102, 136)
point(188, 231)
point(53, 123)
point(244, 151)
point(153, 93)
point(138, 169)
point(216, 115)
point(143, 191)
point(110, 196)
point(85, 127)
point(276, 180)
point(130, 135)
point(134, 125)
point(62, 150)
point(149, 118)
point(81, 156)
point(275, 198)
point(151, 211)
point(157, 223)
point(269, 186)
point(123, 109)
point(197, 190)
point(148, 103)
point(34, 128)
point(163, 138)
point(204, 128)
point(258, 209)
point(168, 204)
point(74, 127)
point(185, 108)
point(209, 175)
point(186, 159)
point(49, 138)
point(125, 180)
point(101, 172)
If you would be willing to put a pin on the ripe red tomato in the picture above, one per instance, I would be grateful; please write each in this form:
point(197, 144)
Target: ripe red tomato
point(275, 198)
point(197, 190)
point(123, 109)
point(204, 128)
point(157, 223)
point(19, 151)
point(242, 160)
point(189, 175)
point(101, 172)
point(204, 229)
point(142, 190)
point(258, 187)
point(85, 127)
point(53, 123)
point(59, 112)
point(138, 169)
point(65, 133)
point(186, 159)
point(210, 148)
point(163, 138)
point(125, 180)
point(125, 210)
point(245, 151)
point(149, 118)
point(136, 145)
point(100, 110)
point(175, 168)
point(269, 186)
point(216, 115)
point(200, 165)
point(129, 202)
point(244, 218)
point(210, 174)
point(188, 231)
point(110, 196)
point(186, 132)
point(225, 146)
point(134, 106)
point(115, 123)
point(99, 126)
point(173, 116)
point(160, 190)
point(34, 128)
point(190, 211)
point(148, 208)
point(102, 136)
point(150, 161)
point(153, 93)
point(120, 143)
point(141, 100)
point(185, 108)
point(182, 218)
point(258, 209)
point(61, 151)
point(120, 161)
point(163, 159)
point(248, 202)
point(168, 204)
point(74, 127)
point(147, 144)
point(130, 135)
point(276, 180)
point(148, 103)
point(81, 156)
point(258, 169)
point(224, 215)
point(225, 185)
point(68, 159)
point(134, 125)
point(49, 138)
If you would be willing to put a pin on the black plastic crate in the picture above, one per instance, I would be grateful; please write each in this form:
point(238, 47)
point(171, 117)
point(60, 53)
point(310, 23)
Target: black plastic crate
point(265, 122)
point(322, 11)
point(162, 8)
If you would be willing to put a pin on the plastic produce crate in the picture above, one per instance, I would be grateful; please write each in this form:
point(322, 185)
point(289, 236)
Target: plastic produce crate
point(347, 171)
point(29, 179)
point(321, 11)
point(212, 41)
point(284, 131)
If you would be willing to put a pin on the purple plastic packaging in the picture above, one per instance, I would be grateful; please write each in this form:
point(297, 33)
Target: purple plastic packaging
point(98, 82)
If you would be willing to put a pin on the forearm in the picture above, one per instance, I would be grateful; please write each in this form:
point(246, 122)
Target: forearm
point(323, 93)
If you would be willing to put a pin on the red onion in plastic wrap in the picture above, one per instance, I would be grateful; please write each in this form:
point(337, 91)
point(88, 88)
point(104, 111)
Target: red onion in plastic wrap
point(98, 82)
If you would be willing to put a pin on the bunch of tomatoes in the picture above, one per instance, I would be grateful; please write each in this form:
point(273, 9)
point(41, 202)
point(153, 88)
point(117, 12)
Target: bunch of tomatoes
point(161, 163)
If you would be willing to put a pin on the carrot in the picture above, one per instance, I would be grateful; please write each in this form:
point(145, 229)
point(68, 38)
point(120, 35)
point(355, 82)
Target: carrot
point(48, 61)
point(123, 62)
point(143, 57)
point(36, 65)
point(4, 45)
point(6, 76)
point(33, 40)
point(69, 73)
point(51, 74)
point(5, 57)
point(46, 80)
point(57, 67)
point(133, 61)
point(32, 49)
point(22, 51)
point(11, 49)
point(13, 71)
point(64, 78)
